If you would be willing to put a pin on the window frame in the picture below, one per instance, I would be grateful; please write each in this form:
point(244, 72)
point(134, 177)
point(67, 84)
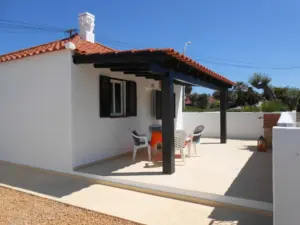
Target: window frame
point(122, 98)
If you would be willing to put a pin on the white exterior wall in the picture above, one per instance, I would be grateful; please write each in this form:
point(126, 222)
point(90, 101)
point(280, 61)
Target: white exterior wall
point(240, 125)
point(96, 138)
point(286, 179)
point(179, 114)
point(35, 111)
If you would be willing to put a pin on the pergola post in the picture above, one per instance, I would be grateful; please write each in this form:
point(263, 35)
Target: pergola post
point(168, 123)
point(223, 107)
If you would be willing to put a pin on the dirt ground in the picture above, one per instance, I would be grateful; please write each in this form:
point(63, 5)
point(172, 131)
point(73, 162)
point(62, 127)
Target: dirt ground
point(18, 208)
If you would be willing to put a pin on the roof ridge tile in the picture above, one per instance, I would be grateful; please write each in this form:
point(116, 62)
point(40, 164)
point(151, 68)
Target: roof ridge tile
point(81, 46)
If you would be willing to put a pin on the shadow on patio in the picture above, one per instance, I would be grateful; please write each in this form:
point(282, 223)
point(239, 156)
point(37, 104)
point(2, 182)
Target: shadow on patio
point(253, 182)
point(41, 181)
point(114, 167)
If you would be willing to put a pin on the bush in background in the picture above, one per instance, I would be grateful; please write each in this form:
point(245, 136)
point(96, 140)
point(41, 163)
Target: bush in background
point(247, 108)
point(189, 108)
point(267, 106)
point(273, 106)
point(214, 105)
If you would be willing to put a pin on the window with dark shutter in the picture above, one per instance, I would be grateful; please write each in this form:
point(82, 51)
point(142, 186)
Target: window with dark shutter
point(118, 98)
point(105, 96)
point(131, 98)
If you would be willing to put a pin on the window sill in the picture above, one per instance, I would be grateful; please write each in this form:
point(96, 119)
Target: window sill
point(113, 117)
point(117, 117)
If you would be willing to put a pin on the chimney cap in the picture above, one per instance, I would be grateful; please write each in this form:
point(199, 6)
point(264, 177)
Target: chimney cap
point(86, 26)
point(86, 14)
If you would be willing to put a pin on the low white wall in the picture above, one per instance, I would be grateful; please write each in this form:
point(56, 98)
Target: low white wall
point(286, 179)
point(240, 125)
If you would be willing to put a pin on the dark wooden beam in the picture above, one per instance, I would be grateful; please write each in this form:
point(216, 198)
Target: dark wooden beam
point(186, 78)
point(190, 70)
point(143, 73)
point(119, 58)
point(124, 69)
point(223, 108)
point(152, 77)
point(168, 123)
point(120, 65)
point(149, 76)
point(193, 80)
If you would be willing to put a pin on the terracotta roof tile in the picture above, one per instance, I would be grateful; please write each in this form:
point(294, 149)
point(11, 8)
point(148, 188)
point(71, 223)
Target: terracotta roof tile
point(81, 46)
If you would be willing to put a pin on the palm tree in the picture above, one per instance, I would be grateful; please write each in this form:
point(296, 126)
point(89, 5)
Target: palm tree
point(262, 81)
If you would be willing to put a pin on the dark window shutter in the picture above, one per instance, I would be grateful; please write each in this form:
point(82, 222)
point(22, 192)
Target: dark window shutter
point(158, 105)
point(175, 105)
point(131, 98)
point(105, 96)
point(158, 97)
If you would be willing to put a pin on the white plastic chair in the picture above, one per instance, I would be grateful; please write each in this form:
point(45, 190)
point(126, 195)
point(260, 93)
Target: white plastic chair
point(140, 142)
point(180, 136)
point(194, 139)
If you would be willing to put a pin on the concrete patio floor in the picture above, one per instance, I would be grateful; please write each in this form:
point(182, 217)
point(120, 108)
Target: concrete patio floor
point(234, 169)
point(143, 208)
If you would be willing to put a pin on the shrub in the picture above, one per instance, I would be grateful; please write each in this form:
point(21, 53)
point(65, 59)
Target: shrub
point(250, 108)
point(247, 108)
point(214, 105)
point(192, 109)
point(235, 110)
point(273, 106)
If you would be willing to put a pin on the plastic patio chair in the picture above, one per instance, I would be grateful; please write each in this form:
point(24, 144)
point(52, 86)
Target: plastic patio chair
point(194, 139)
point(140, 142)
point(180, 136)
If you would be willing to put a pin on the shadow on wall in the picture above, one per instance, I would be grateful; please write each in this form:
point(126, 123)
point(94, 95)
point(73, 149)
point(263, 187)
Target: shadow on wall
point(253, 182)
point(44, 182)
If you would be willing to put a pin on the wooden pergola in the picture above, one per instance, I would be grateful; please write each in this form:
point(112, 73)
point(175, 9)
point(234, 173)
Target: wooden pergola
point(169, 67)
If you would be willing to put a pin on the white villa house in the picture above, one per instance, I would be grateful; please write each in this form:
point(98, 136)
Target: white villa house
point(74, 101)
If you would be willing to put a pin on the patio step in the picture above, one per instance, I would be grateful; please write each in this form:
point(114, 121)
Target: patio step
point(198, 197)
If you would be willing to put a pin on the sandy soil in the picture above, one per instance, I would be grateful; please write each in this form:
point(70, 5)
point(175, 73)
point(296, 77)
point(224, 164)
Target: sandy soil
point(19, 208)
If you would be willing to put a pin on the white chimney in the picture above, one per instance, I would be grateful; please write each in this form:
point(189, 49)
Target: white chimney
point(86, 26)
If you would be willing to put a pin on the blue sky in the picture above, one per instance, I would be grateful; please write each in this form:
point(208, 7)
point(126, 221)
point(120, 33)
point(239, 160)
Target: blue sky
point(264, 34)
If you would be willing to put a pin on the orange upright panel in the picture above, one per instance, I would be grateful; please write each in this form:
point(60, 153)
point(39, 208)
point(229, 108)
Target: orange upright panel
point(156, 138)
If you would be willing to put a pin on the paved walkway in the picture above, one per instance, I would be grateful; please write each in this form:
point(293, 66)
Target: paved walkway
point(130, 205)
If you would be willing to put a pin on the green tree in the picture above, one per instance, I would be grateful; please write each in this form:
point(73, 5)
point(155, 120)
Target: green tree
point(292, 95)
point(281, 93)
point(202, 101)
point(216, 95)
point(262, 81)
point(240, 95)
point(199, 100)
point(243, 95)
point(193, 97)
point(188, 90)
point(298, 105)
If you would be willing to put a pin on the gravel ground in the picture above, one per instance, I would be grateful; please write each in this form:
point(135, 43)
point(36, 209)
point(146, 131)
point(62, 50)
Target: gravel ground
point(17, 208)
